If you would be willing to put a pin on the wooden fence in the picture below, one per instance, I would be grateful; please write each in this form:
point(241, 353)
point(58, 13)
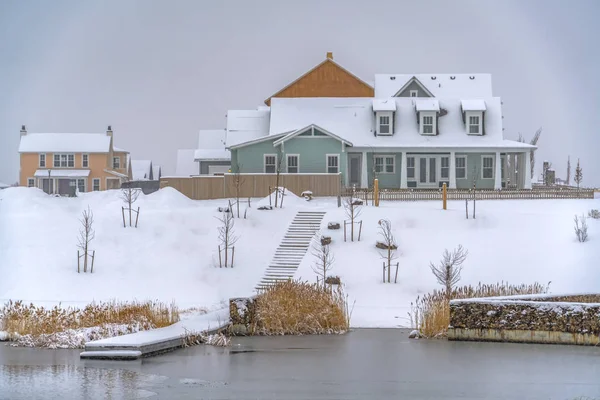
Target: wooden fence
point(462, 194)
point(252, 185)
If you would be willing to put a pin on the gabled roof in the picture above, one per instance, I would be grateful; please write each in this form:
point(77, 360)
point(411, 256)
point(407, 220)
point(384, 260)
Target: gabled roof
point(328, 61)
point(186, 166)
point(384, 105)
point(458, 86)
point(141, 170)
point(260, 139)
point(156, 171)
point(416, 81)
point(212, 155)
point(473, 105)
point(301, 130)
point(246, 125)
point(65, 142)
point(427, 105)
point(212, 138)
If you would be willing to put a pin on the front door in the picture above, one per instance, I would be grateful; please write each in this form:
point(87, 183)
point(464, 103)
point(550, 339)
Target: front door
point(47, 185)
point(427, 172)
point(355, 170)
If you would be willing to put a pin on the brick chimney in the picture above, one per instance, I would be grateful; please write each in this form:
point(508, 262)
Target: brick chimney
point(330, 55)
point(109, 131)
point(23, 130)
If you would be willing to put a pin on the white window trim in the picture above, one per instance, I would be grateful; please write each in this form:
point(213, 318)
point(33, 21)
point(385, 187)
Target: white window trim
point(456, 167)
point(414, 178)
point(31, 179)
point(422, 116)
point(468, 115)
point(59, 160)
point(265, 162)
point(45, 160)
point(88, 160)
point(441, 178)
point(287, 159)
point(327, 163)
point(415, 92)
point(384, 156)
point(493, 167)
point(389, 115)
point(113, 162)
point(99, 184)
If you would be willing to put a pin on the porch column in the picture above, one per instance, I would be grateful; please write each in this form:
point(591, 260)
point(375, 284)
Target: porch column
point(364, 174)
point(452, 183)
point(403, 169)
point(527, 172)
point(498, 172)
point(513, 170)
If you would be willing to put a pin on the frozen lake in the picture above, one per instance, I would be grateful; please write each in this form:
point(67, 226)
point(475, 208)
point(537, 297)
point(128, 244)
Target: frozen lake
point(365, 364)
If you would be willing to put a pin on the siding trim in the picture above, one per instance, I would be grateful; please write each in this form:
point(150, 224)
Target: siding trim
point(302, 130)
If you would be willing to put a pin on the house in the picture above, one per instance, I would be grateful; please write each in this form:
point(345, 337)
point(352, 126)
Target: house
point(61, 163)
point(141, 170)
point(185, 164)
point(156, 172)
point(417, 131)
point(211, 155)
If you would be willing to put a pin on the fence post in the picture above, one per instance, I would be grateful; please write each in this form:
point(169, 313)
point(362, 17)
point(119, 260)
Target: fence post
point(376, 192)
point(444, 195)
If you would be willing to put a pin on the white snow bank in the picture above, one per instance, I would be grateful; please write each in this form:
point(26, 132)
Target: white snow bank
point(290, 199)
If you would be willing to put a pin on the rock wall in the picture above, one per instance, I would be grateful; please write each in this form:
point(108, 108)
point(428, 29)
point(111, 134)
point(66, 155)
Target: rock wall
point(242, 315)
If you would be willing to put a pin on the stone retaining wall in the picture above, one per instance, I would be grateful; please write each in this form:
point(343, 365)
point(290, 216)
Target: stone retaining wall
point(573, 319)
point(242, 315)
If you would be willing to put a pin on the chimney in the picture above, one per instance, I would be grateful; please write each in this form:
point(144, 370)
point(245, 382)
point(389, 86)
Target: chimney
point(109, 131)
point(330, 55)
point(23, 130)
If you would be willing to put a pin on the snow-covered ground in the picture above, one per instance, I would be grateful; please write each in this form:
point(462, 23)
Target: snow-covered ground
point(172, 255)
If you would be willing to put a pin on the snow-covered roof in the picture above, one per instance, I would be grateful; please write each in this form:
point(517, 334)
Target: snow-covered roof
point(427, 105)
point(246, 125)
point(65, 142)
point(119, 150)
point(212, 155)
point(141, 169)
point(117, 174)
point(156, 171)
point(186, 165)
point(352, 119)
point(473, 105)
point(384, 105)
point(62, 173)
point(212, 138)
point(463, 86)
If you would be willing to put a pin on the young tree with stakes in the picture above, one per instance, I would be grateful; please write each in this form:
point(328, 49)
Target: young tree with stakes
point(353, 209)
point(238, 182)
point(130, 195)
point(86, 235)
point(447, 272)
point(278, 163)
point(323, 259)
point(390, 245)
point(227, 237)
point(578, 174)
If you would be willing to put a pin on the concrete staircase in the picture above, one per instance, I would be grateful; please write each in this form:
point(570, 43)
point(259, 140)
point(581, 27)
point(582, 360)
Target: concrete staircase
point(293, 248)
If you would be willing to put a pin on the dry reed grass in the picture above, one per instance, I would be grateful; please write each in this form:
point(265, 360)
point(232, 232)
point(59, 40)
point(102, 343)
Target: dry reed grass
point(192, 338)
point(20, 319)
point(297, 308)
point(430, 314)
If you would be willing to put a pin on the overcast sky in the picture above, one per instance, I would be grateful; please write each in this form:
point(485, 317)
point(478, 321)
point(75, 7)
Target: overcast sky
point(158, 71)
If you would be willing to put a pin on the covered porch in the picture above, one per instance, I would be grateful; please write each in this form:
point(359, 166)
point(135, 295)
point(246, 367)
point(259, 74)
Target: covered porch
point(64, 182)
point(421, 168)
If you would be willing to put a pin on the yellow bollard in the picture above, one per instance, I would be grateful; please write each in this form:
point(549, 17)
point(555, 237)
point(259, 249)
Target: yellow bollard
point(444, 195)
point(376, 192)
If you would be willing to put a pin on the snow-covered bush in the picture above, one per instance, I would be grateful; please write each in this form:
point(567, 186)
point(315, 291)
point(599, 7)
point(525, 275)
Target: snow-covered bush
point(595, 214)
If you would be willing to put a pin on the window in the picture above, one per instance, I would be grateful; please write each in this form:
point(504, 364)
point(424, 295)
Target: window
point(414, 93)
point(81, 185)
point(432, 170)
point(116, 162)
point(487, 172)
point(85, 161)
point(333, 165)
point(71, 160)
point(410, 167)
point(30, 182)
point(292, 163)
point(56, 160)
point(64, 160)
point(96, 184)
point(423, 169)
point(42, 160)
point(384, 164)
point(270, 163)
point(445, 170)
point(461, 167)
point(427, 124)
point(474, 124)
point(384, 124)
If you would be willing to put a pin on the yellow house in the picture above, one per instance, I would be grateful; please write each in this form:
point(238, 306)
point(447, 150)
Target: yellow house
point(61, 163)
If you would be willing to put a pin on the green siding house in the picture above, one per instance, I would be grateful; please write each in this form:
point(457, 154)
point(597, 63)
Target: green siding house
point(419, 131)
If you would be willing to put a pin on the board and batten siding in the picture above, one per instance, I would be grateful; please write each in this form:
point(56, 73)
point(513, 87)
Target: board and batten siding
point(312, 152)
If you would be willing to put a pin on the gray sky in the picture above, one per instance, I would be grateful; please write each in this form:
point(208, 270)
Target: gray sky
point(158, 71)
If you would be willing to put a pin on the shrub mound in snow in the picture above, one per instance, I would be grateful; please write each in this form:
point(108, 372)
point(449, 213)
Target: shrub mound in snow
point(289, 199)
point(297, 308)
point(333, 225)
point(33, 326)
point(383, 246)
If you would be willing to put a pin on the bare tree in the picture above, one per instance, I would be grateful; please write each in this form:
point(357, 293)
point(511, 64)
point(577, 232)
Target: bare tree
point(278, 163)
point(130, 195)
point(238, 182)
point(227, 237)
point(353, 209)
point(533, 141)
point(578, 175)
point(547, 166)
point(569, 171)
point(390, 245)
point(447, 272)
point(475, 174)
point(86, 235)
point(323, 259)
point(581, 228)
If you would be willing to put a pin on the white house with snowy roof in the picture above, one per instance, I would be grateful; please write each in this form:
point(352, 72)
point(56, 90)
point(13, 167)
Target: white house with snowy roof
point(418, 131)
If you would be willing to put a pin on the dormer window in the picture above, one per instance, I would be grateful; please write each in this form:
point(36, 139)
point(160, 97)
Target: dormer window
point(384, 125)
point(474, 125)
point(427, 116)
point(427, 124)
point(473, 112)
